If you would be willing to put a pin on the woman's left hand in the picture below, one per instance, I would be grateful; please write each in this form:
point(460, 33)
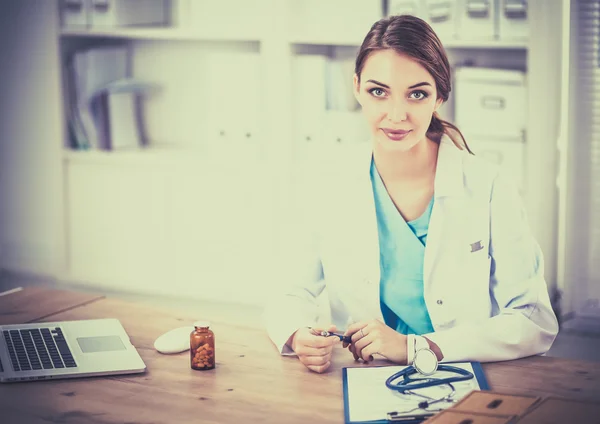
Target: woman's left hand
point(374, 337)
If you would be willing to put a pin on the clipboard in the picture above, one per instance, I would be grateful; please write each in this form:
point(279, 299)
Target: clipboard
point(372, 381)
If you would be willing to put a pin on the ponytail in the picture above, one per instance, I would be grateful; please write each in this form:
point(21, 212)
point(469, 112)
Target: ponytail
point(438, 127)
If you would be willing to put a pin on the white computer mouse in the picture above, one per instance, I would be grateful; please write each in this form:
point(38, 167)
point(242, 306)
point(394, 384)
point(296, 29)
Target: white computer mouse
point(174, 341)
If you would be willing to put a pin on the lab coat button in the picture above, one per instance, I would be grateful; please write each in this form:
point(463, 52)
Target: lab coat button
point(439, 301)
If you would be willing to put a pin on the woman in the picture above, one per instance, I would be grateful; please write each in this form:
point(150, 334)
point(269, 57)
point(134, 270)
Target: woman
point(419, 243)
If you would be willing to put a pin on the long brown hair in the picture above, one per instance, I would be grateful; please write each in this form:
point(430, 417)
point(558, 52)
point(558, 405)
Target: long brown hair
point(414, 37)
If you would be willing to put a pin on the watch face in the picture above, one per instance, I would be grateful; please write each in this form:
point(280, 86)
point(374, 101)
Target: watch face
point(425, 362)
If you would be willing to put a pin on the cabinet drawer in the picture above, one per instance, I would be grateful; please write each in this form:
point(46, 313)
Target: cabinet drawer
point(476, 20)
point(491, 103)
point(513, 23)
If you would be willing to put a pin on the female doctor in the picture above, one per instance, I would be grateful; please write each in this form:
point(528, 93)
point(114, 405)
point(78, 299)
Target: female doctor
point(419, 243)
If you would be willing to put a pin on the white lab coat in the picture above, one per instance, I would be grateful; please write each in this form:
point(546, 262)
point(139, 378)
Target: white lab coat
point(488, 305)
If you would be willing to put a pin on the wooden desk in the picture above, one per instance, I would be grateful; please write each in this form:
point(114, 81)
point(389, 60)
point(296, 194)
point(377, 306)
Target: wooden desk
point(251, 383)
point(33, 304)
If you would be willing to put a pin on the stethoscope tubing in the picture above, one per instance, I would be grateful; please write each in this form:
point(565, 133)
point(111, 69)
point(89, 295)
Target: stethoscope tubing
point(403, 387)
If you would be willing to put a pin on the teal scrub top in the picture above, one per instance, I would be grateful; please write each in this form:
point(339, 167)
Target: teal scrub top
point(402, 249)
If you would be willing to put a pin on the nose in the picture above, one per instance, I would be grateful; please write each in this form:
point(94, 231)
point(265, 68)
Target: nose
point(398, 111)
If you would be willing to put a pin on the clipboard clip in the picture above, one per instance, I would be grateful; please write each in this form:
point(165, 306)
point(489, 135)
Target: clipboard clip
point(397, 417)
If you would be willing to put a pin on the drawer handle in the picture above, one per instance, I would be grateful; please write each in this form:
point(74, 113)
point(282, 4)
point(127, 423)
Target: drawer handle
point(493, 102)
point(478, 8)
point(494, 404)
point(101, 5)
point(73, 5)
point(515, 9)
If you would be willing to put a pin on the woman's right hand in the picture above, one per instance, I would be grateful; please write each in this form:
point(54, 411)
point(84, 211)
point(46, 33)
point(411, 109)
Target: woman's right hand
point(314, 351)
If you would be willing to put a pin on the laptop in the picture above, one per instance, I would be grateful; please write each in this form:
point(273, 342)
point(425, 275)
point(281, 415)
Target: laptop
point(66, 349)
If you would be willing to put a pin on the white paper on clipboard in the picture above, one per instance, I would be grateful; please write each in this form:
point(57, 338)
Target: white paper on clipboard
point(369, 399)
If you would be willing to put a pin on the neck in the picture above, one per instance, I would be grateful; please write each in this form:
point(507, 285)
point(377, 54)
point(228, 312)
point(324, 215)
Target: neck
point(411, 167)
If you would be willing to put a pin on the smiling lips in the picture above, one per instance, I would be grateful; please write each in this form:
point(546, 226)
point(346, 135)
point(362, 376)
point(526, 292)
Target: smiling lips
point(395, 135)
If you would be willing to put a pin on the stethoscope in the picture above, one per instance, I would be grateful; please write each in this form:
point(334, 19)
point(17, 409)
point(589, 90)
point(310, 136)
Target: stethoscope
point(408, 383)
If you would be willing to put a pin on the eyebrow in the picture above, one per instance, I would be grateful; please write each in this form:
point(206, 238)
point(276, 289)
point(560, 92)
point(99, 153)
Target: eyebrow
point(387, 86)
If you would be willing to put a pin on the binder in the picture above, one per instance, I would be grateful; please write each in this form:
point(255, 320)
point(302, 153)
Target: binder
point(124, 129)
point(78, 138)
point(120, 124)
point(92, 70)
point(375, 377)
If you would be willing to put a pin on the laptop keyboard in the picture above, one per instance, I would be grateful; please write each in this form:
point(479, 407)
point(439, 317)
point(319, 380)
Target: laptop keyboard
point(38, 348)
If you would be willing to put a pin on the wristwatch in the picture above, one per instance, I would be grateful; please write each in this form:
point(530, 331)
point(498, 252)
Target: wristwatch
point(425, 361)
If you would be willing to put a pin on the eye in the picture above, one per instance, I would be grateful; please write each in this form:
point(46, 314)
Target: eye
point(419, 95)
point(377, 92)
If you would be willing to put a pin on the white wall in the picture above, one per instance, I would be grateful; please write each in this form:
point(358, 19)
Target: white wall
point(30, 130)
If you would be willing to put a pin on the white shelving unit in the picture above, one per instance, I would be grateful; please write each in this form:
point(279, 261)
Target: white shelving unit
point(160, 34)
point(175, 34)
point(195, 210)
point(448, 44)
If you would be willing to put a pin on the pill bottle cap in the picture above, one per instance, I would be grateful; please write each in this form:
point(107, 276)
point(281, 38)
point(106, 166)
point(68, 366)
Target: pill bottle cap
point(202, 324)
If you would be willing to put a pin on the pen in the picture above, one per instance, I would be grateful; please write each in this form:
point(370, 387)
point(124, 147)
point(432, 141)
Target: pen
point(398, 417)
point(343, 338)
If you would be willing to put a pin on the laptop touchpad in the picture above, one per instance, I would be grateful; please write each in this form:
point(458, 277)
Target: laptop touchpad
point(100, 344)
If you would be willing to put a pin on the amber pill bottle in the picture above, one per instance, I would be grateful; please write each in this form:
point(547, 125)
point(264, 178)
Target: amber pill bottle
point(202, 347)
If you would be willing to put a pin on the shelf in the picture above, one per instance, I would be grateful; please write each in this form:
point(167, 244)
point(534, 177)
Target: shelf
point(450, 44)
point(174, 34)
point(156, 156)
point(486, 44)
point(354, 42)
point(169, 157)
point(158, 33)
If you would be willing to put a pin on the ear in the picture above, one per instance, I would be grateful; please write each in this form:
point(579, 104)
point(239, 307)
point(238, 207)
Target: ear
point(438, 103)
point(356, 90)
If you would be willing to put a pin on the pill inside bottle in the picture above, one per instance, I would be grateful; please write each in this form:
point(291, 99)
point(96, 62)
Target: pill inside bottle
point(202, 347)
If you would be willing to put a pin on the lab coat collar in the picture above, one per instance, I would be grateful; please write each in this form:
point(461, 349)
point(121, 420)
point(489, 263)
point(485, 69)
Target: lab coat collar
point(449, 179)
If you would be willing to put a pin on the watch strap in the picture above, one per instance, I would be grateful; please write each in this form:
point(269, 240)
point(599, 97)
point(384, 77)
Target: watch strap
point(420, 343)
point(410, 349)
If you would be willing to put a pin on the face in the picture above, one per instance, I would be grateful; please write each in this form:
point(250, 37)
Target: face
point(398, 98)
